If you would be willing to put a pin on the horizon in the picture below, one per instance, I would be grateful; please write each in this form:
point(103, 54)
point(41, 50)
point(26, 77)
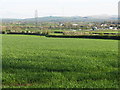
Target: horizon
point(61, 8)
point(61, 16)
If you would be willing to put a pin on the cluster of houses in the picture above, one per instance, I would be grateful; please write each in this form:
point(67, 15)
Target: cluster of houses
point(98, 26)
point(72, 26)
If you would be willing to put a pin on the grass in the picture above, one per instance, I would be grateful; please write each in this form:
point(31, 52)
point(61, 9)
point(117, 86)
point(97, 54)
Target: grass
point(56, 34)
point(102, 31)
point(40, 62)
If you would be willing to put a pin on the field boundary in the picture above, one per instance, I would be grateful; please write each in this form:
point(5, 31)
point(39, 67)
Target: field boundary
point(114, 37)
point(86, 36)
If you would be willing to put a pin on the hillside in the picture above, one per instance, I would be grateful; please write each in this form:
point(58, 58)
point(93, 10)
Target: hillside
point(94, 18)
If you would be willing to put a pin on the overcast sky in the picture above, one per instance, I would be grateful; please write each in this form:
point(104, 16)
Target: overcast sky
point(26, 8)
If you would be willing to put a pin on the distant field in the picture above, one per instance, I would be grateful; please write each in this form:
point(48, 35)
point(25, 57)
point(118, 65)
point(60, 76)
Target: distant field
point(103, 31)
point(41, 62)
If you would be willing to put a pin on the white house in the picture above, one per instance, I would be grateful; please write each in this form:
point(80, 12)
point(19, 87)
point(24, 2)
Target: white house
point(110, 27)
point(74, 24)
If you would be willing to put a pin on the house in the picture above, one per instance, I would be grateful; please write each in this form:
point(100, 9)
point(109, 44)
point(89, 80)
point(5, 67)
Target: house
point(75, 24)
point(110, 27)
point(94, 28)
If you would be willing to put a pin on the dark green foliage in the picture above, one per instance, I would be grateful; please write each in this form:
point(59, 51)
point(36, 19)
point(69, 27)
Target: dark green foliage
point(101, 36)
point(4, 32)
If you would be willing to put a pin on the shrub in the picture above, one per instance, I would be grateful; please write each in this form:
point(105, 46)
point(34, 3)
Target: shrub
point(28, 32)
point(4, 32)
point(23, 32)
point(45, 33)
point(8, 31)
point(38, 32)
point(101, 34)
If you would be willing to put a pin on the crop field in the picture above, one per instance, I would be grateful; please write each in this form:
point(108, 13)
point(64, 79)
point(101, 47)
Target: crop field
point(40, 62)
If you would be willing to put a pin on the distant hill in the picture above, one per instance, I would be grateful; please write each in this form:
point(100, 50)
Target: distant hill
point(104, 17)
point(94, 18)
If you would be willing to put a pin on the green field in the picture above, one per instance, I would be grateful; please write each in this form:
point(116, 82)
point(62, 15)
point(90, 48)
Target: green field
point(41, 62)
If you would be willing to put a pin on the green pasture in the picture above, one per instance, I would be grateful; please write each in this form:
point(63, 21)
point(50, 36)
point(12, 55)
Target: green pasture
point(102, 31)
point(40, 62)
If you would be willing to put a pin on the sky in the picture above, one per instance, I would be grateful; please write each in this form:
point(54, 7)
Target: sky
point(26, 8)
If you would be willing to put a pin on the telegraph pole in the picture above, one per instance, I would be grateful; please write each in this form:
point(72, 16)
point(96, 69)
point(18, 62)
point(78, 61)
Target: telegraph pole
point(118, 12)
point(36, 18)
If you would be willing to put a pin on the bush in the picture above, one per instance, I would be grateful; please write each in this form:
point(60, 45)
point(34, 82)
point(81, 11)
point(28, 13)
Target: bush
point(101, 34)
point(4, 32)
point(38, 32)
point(58, 32)
point(45, 33)
point(23, 32)
point(8, 31)
point(28, 32)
